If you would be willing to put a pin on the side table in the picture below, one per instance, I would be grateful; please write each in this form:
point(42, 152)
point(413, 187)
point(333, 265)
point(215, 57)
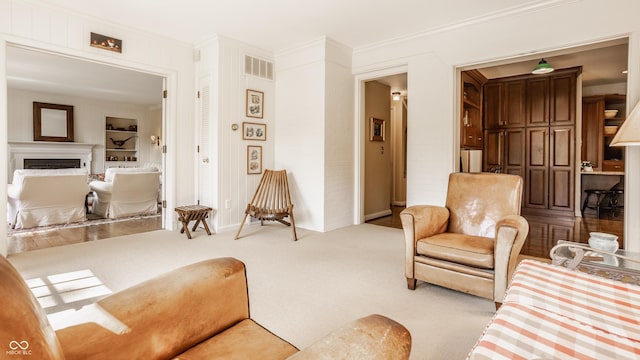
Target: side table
point(622, 265)
point(197, 213)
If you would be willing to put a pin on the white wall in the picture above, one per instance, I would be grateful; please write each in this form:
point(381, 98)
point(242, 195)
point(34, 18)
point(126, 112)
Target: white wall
point(3, 153)
point(314, 108)
point(222, 65)
point(89, 121)
point(48, 28)
point(433, 58)
point(300, 144)
point(339, 131)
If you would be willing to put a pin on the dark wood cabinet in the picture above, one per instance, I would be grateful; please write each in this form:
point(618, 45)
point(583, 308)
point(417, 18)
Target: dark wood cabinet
point(494, 147)
point(514, 104)
point(492, 93)
point(598, 131)
point(514, 152)
point(471, 111)
point(536, 193)
point(562, 98)
point(530, 132)
point(561, 167)
point(504, 151)
point(538, 101)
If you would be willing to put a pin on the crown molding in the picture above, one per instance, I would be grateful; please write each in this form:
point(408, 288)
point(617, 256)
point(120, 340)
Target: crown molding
point(514, 10)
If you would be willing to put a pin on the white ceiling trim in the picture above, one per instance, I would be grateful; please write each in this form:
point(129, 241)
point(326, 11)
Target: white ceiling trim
point(514, 10)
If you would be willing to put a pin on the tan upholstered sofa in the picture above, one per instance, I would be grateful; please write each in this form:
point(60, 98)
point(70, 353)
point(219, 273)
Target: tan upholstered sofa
point(472, 243)
point(126, 192)
point(40, 197)
point(200, 311)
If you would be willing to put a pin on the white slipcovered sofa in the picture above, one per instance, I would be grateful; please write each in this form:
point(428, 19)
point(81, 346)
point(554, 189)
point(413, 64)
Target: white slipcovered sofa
point(126, 192)
point(41, 197)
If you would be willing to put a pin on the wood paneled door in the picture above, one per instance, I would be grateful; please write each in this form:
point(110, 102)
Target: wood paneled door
point(530, 131)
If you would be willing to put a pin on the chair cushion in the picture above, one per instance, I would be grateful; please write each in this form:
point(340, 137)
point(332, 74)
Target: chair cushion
point(245, 340)
point(460, 248)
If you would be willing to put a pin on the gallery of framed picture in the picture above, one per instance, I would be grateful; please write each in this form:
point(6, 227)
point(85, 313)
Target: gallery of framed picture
point(254, 159)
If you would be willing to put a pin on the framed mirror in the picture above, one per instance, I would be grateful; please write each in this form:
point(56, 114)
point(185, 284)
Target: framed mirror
point(52, 122)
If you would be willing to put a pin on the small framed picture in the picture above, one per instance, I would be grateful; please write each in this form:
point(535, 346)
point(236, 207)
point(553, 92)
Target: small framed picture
point(106, 42)
point(254, 159)
point(253, 131)
point(376, 129)
point(255, 104)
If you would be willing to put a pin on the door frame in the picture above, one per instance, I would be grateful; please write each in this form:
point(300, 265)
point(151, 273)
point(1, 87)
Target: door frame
point(168, 119)
point(360, 125)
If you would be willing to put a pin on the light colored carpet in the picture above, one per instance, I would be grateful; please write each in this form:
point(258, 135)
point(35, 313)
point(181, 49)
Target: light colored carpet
point(299, 290)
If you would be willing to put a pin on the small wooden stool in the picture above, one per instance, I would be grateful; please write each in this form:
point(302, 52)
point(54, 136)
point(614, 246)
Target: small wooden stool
point(197, 213)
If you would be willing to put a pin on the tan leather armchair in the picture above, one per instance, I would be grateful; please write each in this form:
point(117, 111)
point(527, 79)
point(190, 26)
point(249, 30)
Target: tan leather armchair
point(473, 242)
point(200, 311)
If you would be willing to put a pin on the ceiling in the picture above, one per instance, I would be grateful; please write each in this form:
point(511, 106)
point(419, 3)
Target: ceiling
point(49, 73)
point(602, 64)
point(277, 24)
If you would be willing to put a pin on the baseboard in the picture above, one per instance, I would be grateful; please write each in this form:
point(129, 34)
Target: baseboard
point(379, 214)
point(399, 203)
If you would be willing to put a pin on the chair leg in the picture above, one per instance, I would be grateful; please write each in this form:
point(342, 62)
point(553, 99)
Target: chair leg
point(241, 225)
point(585, 203)
point(498, 305)
point(411, 283)
point(293, 226)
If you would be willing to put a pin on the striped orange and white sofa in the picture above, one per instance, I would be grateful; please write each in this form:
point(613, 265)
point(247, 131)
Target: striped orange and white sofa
point(550, 312)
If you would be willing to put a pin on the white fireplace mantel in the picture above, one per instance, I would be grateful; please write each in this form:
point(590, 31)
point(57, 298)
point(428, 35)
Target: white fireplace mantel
point(20, 150)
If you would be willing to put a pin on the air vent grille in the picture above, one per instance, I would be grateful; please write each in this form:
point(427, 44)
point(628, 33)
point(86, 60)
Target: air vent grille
point(257, 67)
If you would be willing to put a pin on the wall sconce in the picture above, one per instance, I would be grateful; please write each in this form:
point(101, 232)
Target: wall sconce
point(543, 67)
point(396, 95)
point(155, 140)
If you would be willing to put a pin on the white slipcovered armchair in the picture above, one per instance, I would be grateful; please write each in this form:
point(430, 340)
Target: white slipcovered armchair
point(126, 192)
point(41, 197)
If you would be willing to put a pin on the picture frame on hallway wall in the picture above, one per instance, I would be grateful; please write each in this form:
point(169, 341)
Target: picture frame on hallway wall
point(255, 104)
point(376, 129)
point(254, 159)
point(253, 131)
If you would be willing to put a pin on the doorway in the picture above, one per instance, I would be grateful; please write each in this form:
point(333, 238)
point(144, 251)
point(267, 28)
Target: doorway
point(602, 77)
point(384, 148)
point(97, 90)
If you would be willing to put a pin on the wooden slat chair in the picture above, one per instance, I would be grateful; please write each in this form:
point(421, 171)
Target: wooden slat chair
point(272, 201)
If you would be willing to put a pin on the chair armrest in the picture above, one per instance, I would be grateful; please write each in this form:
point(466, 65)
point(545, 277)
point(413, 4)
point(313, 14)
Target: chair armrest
point(13, 191)
point(419, 222)
point(424, 220)
point(372, 337)
point(511, 232)
point(101, 186)
point(162, 317)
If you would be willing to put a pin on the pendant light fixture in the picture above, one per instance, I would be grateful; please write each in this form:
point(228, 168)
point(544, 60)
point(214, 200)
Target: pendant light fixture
point(543, 67)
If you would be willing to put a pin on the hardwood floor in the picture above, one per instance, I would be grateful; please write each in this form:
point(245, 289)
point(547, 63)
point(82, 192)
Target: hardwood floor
point(544, 231)
point(56, 237)
point(543, 234)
